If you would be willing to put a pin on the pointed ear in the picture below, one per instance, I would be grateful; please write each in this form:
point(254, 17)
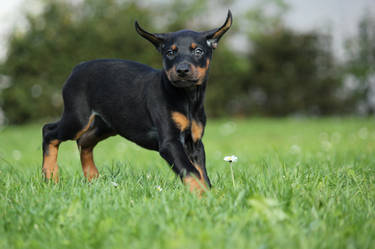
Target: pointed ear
point(213, 36)
point(156, 39)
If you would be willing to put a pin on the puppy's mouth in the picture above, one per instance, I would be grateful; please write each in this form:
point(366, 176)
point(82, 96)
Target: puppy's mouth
point(185, 80)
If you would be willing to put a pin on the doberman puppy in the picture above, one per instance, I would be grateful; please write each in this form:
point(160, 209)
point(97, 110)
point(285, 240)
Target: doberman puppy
point(159, 110)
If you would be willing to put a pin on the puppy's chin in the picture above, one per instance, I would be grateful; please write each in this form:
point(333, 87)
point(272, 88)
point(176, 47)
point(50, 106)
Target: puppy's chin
point(184, 82)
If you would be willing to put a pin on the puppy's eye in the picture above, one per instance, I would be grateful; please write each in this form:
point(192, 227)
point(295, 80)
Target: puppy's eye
point(171, 53)
point(198, 52)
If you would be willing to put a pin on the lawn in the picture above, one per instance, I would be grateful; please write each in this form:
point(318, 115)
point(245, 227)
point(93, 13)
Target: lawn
point(300, 183)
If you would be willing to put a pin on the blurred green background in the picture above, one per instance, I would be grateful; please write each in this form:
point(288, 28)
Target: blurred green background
point(300, 182)
point(277, 71)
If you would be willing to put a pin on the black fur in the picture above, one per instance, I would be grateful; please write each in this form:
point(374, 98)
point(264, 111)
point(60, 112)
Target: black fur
point(136, 101)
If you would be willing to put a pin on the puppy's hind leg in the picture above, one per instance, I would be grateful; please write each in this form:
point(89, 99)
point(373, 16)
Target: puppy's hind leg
point(50, 149)
point(68, 128)
point(86, 143)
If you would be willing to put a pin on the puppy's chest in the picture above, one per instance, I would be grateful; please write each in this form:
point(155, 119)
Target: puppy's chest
point(189, 126)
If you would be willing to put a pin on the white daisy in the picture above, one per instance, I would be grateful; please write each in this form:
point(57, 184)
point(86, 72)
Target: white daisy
point(230, 159)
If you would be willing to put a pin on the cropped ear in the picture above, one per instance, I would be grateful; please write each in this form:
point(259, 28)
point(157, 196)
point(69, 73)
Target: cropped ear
point(156, 39)
point(213, 36)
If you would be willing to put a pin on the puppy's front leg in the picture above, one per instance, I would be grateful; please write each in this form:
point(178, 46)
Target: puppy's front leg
point(198, 157)
point(192, 175)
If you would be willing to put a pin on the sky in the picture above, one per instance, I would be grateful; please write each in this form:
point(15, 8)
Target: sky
point(338, 17)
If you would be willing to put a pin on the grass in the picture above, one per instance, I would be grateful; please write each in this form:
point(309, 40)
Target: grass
point(300, 183)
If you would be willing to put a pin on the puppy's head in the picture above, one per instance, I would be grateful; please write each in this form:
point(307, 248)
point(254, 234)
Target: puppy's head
point(186, 54)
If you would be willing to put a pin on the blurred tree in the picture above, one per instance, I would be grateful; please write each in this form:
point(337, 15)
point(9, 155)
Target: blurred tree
point(284, 73)
point(292, 73)
point(360, 66)
point(288, 72)
point(230, 79)
point(65, 33)
point(40, 59)
point(281, 72)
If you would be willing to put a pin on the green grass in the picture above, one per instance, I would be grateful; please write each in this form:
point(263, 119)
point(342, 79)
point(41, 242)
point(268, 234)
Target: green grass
point(300, 183)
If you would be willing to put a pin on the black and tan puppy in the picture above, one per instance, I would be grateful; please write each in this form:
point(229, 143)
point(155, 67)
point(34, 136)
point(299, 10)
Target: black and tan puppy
point(159, 110)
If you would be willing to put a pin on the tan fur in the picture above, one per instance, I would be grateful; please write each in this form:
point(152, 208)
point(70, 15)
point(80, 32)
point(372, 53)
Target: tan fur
point(223, 29)
point(86, 144)
point(196, 185)
point(196, 130)
point(181, 121)
point(88, 166)
point(80, 133)
point(201, 72)
point(50, 167)
point(170, 72)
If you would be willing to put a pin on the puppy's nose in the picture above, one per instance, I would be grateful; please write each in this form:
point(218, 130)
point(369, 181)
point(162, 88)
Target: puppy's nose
point(183, 69)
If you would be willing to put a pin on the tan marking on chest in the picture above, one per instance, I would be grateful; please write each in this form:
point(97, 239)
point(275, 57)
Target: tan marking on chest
point(196, 131)
point(181, 121)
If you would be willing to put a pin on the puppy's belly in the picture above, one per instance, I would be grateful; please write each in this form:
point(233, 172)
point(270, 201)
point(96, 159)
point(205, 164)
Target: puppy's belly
point(146, 137)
